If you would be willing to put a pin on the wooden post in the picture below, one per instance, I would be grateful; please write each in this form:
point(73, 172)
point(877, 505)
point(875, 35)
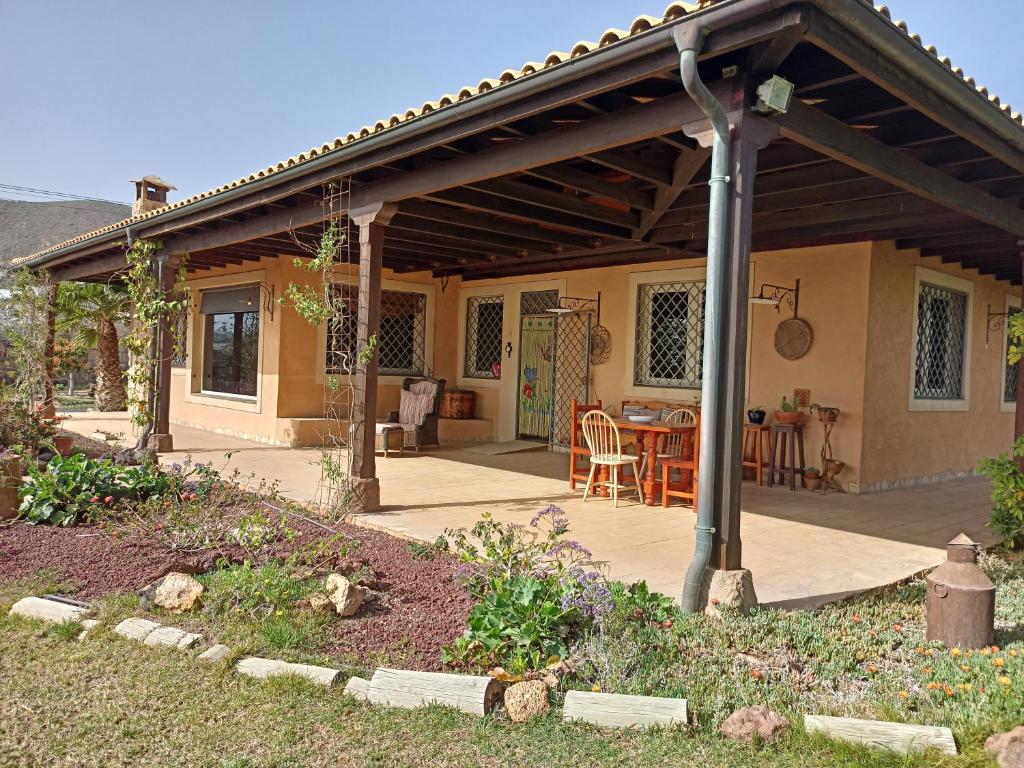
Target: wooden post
point(161, 439)
point(749, 134)
point(372, 222)
point(50, 352)
point(1018, 417)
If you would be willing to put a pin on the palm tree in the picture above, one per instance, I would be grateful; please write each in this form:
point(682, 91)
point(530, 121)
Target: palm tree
point(91, 311)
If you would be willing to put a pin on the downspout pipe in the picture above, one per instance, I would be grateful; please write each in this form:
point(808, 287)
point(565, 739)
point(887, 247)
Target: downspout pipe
point(689, 41)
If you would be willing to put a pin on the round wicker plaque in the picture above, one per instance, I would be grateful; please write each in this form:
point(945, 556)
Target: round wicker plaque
point(793, 338)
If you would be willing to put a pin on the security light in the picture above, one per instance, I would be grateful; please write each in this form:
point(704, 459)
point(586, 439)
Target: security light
point(773, 96)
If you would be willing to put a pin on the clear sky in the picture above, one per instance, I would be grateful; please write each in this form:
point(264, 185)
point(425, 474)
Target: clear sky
point(95, 92)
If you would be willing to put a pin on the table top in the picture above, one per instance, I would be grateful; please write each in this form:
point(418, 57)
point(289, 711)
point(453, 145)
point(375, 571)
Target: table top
point(623, 423)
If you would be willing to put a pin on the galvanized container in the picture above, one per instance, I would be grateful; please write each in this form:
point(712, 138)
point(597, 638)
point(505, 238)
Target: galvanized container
point(961, 598)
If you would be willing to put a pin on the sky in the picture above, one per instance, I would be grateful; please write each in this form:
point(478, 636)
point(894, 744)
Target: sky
point(94, 93)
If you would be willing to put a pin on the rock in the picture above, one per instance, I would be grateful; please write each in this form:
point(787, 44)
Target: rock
point(1008, 748)
point(172, 637)
point(87, 626)
point(136, 629)
point(52, 611)
point(733, 589)
point(320, 603)
point(178, 592)
point(527, 700)
point(215, 653)
point(748, 722)
point(346, 596)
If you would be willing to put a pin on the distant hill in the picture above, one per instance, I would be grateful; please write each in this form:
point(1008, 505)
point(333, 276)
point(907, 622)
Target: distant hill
point(27, 227)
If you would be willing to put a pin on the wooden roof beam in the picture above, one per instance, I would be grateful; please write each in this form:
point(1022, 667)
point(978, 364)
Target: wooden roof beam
point(490, 223)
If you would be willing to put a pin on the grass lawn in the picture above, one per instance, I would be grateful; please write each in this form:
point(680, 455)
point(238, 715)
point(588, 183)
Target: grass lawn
point(106, 701)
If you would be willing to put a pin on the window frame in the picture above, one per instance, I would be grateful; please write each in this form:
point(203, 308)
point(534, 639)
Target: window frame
point(207, 319)
point(482, 300)
point(923, 275)
point(398, 286)
point(657, 277)
point(1011, 304)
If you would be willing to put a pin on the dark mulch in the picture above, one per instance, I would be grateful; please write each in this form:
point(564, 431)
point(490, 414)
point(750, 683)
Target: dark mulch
point(418, 609)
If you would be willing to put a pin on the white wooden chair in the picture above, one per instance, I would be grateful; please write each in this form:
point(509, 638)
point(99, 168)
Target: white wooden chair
point(672, 444)
point(605, 444)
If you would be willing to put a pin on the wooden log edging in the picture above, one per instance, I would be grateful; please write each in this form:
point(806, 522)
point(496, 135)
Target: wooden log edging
point(50, 611)
point(263, 668)
point(613, 710)
point(897, 737)
point(152, 633)
point(474, 694)
point(357, 688)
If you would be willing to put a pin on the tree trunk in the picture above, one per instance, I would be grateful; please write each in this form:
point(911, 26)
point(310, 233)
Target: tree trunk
point(110, 394)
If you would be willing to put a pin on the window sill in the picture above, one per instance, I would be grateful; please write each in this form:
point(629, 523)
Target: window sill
point(939, 406)
point(224, 400)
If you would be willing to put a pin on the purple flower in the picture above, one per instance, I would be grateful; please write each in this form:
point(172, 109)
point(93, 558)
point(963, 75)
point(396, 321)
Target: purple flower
point(563, 548)
point(559, 522)
point(586, 592)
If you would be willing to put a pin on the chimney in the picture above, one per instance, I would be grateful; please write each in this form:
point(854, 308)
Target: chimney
point(150, 194)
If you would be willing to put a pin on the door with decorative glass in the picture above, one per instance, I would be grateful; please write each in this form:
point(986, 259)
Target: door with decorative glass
point(536, 364)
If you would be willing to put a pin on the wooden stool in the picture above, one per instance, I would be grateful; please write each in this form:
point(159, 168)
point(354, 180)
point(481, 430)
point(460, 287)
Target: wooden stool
point(794, 434)
point(755, 451)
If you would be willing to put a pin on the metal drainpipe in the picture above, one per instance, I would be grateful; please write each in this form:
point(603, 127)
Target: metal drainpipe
point(689, 41)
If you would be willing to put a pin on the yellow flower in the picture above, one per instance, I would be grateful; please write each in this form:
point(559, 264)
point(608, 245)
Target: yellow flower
point(998, 661)
point(965, 667)
point(1003, 680)
point(926, 670)
point(1013, 652)
point(933, 686)
point(903, 695)
point(985, 651)
point(964, 686)
point(596, 688)
point(954, 652)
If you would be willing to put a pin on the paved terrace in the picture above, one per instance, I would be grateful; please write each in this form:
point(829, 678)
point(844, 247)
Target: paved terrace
point(803, 548)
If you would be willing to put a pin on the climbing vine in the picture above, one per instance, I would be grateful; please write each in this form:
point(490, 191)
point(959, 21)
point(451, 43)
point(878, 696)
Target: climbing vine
point(24, 305)
point(150, 303)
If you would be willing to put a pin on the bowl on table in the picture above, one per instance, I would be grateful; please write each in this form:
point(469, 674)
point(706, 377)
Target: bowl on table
point(641, 419)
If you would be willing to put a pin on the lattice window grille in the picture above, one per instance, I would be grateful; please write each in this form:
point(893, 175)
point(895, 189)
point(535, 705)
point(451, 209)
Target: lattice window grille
point(179, 354)
point(1012, 369)
point(941, 343)
point(670, 335)
point(484, 322)
point(400, 343)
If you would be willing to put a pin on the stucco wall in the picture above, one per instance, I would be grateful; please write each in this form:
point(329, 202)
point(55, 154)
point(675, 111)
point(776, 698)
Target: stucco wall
point(902, 446)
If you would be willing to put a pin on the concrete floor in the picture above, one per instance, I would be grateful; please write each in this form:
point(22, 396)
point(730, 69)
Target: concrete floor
point(803, 548)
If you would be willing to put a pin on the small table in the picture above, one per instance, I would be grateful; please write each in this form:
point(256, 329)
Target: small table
point(647, 440)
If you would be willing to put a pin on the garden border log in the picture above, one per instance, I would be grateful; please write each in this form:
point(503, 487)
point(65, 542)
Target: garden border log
point(475, 694)
point(357, 687)
point(615, 710)
point(898, 737)
point(47, 610)
point(254, 666)
point(136, 629)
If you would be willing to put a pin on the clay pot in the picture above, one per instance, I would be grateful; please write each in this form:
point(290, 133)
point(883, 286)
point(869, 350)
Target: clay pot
point(9, 501)
point(64, 444)
point(812, 483)
point(788, 417)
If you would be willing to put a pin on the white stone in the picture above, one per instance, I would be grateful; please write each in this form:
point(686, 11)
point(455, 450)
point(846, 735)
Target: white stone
point(136, 629)
point(263, 668)
point(215, 653)
point(732, 589)
point(87, 626)
point(178, 592)
point(172, 637)
point(47, 610)
point(346, 596)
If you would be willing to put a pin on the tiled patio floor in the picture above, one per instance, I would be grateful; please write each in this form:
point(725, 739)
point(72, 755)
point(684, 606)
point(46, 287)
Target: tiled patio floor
point(803, 548)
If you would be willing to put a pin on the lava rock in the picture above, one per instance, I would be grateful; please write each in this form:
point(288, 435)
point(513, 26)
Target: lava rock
point(178, 593)
point(524, 701)
point(748, 722)
point(1008, 748)
point(346, 596)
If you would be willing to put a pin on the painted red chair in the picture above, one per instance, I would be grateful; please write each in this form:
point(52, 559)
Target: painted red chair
point(577, 445)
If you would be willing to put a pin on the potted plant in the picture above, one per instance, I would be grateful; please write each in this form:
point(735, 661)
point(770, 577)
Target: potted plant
point(11, 466)
point(756, 414)
point(63, 443)
point(827, 414)
point(812, 478)
point(788, 412)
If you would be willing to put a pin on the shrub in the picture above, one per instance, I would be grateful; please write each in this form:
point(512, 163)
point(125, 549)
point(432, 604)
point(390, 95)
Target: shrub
point(1007, 493)
point(260, 591)
point(67, 489)
point(537, 592)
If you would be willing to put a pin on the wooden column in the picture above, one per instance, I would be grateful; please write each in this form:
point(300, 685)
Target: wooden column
point(1018, 418)
point(372, 221)
point(50, 352)
point(161, 439)
point(749, 134)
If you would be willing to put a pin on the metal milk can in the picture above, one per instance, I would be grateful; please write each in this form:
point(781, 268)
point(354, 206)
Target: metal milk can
point(961, 599)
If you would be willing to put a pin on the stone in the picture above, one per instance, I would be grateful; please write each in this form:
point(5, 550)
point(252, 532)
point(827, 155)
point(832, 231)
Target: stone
point(731, 589)
point(748, 722)
point(52, 611)
point(172, 637)
point(524, 701)
point(320, 603)
point(136, 629)
point(263, 668)
point(356, 687)
point(1008, 748)
point(215, 654)
point(346, 596)
point(178, 593)
point(87, 626)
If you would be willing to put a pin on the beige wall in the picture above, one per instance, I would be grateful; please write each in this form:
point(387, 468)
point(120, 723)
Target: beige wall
point(903, 446)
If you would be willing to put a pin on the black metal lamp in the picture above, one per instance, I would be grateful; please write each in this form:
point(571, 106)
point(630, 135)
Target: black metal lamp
point(774, 295)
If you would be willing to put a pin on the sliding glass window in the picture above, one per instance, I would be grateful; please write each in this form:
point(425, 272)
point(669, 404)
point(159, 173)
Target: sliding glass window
point(231, 340)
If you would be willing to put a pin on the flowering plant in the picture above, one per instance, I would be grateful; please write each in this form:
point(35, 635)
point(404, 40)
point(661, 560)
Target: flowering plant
point(536, 589)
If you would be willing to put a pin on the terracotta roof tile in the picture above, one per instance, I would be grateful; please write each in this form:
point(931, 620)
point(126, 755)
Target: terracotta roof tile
point(639, 25)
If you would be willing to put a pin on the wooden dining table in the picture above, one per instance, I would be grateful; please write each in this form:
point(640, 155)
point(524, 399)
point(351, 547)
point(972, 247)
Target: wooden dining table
point(646, 435)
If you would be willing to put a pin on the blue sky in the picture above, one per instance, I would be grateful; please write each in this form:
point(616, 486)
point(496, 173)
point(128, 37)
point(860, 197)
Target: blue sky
point(203, 91)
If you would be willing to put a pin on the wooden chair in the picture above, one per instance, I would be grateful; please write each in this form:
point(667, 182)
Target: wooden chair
point(690, 464)
point(672, 445)
point(605, 444)
point(577, 445)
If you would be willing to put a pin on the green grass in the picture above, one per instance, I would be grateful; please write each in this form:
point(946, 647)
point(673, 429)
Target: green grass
point(111, 702)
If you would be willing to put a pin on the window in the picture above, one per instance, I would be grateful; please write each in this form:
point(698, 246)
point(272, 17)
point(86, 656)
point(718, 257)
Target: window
point(231, 340)
point(940, 346)
point(484, 320)
point(669, 347)
point(400, 343)
point(1010, 372)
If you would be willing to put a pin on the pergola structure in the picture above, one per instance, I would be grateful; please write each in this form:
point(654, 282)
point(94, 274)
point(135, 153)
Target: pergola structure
point(600, 157)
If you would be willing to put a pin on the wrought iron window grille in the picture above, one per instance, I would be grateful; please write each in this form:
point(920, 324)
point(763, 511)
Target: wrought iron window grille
point(670, 335)
point(400, 343)
point(484, 324)
point(941, 343)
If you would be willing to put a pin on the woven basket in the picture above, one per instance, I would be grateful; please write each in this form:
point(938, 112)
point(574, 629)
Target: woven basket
point(457, 404)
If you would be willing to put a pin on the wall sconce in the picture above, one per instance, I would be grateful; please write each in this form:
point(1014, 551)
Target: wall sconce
point(776, 294)
point(569, 304)
point(268, 302)
point(996, 321)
